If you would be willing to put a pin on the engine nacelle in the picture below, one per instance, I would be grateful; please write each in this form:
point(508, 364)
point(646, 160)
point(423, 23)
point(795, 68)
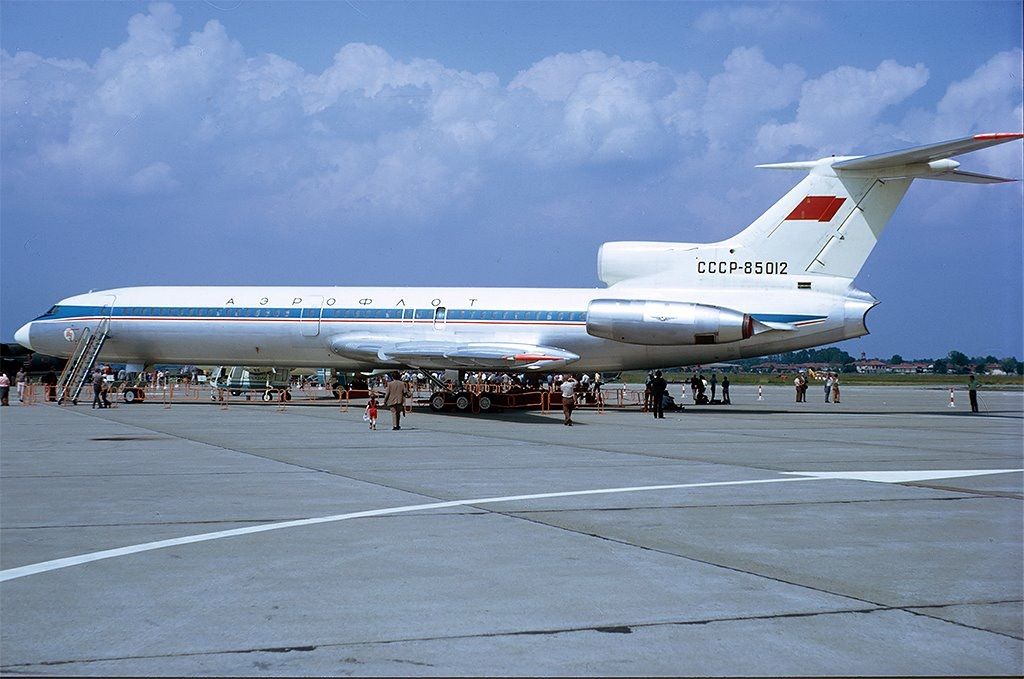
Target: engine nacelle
point(650, 322)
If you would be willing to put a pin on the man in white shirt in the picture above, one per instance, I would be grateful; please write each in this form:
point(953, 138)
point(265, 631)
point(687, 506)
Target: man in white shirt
point(568, 398)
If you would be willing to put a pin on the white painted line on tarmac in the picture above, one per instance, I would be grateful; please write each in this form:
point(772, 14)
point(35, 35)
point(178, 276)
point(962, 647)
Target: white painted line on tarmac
point(904, 476)
point(67, 562)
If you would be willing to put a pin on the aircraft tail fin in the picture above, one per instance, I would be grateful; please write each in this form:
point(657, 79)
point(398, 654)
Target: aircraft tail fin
point(829, 223)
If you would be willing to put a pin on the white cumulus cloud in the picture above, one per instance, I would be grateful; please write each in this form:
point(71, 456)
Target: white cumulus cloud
point(839, 109)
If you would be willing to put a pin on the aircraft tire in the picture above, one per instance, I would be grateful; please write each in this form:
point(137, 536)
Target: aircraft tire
point(235, 392)
point(437, 402)
point(287, 395)
point(128, 395)
point(268, 395)
point(485, 403)
point(463, 400)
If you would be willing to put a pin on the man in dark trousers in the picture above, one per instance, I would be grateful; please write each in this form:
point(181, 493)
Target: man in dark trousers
point(725, 390)
point(972, 391)
point(97, 389)
point(714, 385)
point(658, 388)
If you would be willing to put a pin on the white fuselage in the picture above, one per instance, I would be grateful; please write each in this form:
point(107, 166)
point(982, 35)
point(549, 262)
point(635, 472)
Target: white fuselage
point(295, 326)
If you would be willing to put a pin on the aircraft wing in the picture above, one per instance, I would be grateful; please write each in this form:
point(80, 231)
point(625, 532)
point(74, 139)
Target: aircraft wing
point(928, 153)
point(452, 355)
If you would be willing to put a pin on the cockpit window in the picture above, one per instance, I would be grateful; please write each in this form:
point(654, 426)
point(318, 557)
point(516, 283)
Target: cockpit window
point(52, 310)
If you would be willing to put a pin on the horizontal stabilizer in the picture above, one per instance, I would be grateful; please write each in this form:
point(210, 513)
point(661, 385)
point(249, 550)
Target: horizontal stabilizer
point(969, 177)
point(927, 153)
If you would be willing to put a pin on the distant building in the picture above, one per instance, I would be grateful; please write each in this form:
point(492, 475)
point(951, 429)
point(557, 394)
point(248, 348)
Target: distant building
point(871, 366)
point(910, 368)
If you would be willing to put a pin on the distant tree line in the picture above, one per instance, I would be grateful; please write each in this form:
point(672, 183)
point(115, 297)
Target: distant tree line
point(955, 362)
point(959, 363)
point(830, 355)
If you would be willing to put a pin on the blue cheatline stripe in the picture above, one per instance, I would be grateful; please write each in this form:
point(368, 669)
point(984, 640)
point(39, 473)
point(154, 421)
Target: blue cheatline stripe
point(296, 313)
point(357, 314)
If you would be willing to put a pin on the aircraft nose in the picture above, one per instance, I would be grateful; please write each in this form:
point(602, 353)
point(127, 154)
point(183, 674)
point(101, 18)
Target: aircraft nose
point(22, 336)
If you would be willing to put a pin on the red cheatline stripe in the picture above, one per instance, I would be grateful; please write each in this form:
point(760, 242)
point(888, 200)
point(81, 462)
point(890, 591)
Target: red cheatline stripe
point(815, 207)
point(999, 135)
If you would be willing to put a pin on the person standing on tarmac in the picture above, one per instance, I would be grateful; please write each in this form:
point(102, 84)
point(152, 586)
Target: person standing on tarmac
point(394, 398)
point(714, 385)
point(568, 398)
point(972, 392)
point(658, 388)
point(647, 393)
point(725, 390)
point(97, 389)
point(21, 379)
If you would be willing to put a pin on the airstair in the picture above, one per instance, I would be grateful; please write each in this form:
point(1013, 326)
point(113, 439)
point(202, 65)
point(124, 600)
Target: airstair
point(78, 369)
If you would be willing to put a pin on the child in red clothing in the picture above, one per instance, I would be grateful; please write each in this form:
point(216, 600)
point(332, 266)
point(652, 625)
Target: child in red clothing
point(371, 413)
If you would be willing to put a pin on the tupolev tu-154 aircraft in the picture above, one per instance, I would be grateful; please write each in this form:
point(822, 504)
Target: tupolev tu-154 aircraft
point(783, 283)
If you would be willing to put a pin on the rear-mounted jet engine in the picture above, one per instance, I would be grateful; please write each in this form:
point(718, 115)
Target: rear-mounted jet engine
point(650, 322)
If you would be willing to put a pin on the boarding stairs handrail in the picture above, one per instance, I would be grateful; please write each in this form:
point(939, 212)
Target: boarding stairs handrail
point(82, 361)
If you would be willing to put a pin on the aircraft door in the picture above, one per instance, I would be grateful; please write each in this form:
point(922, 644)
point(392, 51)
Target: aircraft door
point(106, 311)
point(108, 306)
point(440, 317)
point(312, 309)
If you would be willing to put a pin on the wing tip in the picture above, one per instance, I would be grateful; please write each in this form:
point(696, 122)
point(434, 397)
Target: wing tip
point(991, 136)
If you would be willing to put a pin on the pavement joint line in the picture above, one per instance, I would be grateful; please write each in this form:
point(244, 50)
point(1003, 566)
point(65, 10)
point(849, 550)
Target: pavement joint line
point(214, 521)
point(922, 614)
point(112, 475)
point(953, 604)
point(746, 504)
point(968, 491)
point(515, 512)
point(875, 604)
point(607, 628)
point(480, 635)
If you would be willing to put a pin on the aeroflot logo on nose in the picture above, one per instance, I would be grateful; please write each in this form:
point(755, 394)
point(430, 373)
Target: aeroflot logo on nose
point(817, 208)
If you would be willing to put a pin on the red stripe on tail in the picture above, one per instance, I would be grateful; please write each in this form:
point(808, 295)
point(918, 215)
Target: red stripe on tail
point(818, 208)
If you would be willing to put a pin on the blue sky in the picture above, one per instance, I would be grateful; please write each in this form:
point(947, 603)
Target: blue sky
point(229, 142)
